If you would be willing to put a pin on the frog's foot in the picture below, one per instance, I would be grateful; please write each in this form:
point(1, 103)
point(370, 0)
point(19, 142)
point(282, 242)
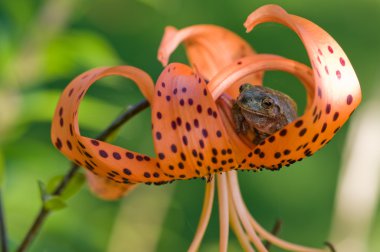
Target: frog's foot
point(259, 137)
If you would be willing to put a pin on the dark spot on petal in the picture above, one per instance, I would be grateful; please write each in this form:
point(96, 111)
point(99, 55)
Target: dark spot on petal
point(158, 135)
point(283, 132)
point(349, 99)
point(205, 92)
point(298, 123)
point(201, 143)
point(336, 115)
point(204, 133)
point(328, 108)
point(103, 153)
point(324, 127)
point(147, 174)
point(69, 145)
point(173, 147)
point(218, 133)
point(116, 156)
point(195, 153)
point(95, 142)
point(129, 155)
point(179, 121)
point(127, 171)
point(315, 138)
point(196, 123)
point(58, 143)
point(302, 132)
point(214, 151)
point(271, 139)
point(199, 108)
point(174, 125)
point(184, 140)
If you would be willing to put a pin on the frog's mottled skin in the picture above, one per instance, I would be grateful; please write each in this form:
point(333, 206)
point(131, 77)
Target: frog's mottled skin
point(262, 111)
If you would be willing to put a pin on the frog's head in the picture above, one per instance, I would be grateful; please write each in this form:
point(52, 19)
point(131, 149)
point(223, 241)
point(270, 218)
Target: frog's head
point(266, 102)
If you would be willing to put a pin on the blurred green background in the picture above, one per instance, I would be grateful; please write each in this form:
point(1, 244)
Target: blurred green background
point(44, 44)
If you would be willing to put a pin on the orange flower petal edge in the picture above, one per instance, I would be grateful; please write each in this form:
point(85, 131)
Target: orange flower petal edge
point(209, 48)
point(116, 169)
point(335, 96)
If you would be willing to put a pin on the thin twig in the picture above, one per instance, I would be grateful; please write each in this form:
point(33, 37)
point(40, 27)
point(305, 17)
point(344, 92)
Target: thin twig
point(275, 231)
point(3, 230)
point(116, 124)
point(330, 246)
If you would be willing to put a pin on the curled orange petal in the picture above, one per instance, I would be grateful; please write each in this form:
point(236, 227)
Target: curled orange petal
point(209, 48)
point(239, 70)
point(333, 94)
point(120, 166)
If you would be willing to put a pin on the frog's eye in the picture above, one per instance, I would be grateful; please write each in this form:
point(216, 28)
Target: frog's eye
point(267, 102)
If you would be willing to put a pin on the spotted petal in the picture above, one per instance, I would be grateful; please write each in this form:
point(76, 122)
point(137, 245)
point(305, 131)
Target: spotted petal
point(209, 48)
point(121, 167)
point(333, 95)
point(189, 135)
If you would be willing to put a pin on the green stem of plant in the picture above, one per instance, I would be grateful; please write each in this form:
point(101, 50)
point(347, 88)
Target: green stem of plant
point(43, 213)
point(3, 230)
point(275, 230)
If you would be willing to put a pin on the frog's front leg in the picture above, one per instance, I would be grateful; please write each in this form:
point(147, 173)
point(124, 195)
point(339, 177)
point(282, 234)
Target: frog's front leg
point(259, 137)
point(241, 125)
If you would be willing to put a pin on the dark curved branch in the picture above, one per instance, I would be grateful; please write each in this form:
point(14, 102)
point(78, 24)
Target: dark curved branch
point(3, 230)
point(115, 125)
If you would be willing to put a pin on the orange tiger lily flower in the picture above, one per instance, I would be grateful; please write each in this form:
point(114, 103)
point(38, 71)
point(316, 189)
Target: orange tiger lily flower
point(192, 127)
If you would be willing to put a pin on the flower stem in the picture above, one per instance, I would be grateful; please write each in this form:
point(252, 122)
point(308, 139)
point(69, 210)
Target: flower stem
point(237, 228)
point(223, 211)
point(43, 213)
point(205, 216)
point(243, 212)
point(3, 230)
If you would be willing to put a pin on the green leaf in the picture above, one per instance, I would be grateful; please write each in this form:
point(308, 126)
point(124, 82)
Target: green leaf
point(53, 183)
point(43, 193)
point(54, 203)
point(72, 187)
